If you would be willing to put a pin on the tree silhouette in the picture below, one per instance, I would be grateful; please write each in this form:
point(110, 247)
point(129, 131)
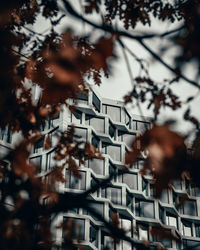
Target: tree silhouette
point(60, 64)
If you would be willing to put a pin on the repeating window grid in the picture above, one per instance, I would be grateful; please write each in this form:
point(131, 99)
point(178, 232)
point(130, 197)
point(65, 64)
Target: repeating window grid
point(118, 138)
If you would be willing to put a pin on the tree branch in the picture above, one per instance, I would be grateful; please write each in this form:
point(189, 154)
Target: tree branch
point(109, 29)
point(167, 65)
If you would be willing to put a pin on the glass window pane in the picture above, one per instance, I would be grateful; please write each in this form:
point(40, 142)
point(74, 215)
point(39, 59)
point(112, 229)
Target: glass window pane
point(143, 233)
point(189, 208)
point(144, 186)
point(171, 220)
point(187, 228)
point(142, 126)
point(39, 146)
point(95, 141)
point(96, 102)
point(114, 194)
point(94, 235)
point(191, 244)
point(51, 161)
point(114, 152)
point(97, 166)
point(78, 225)
point(197, 230)
point(80, 134)
point(76, 117)
point(131, 180)
point(98, 124)
point(98, 207)
point(196, 191)
point(129, 201)
point(36, 161)
point(127, 138)
point(161, 214)
point(114, 113)
point(111, 130)
point(75, 182)
point(177, 184)
point(83, 97)
point(164, 196)
point(144, 208)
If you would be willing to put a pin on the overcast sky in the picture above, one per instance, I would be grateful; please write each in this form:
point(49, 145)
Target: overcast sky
point(118, 84)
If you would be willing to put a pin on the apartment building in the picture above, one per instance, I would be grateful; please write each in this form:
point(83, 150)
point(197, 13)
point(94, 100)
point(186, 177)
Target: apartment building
point(111, 128)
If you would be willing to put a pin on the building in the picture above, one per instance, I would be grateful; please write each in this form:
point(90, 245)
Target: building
point(108, 125)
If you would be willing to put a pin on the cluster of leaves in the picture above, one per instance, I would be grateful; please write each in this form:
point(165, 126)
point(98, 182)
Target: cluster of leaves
point(134, 12)
point(146, 90)
point(59, 65)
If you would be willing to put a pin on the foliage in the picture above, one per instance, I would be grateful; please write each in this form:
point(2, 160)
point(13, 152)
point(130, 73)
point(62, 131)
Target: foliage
point(60, 64)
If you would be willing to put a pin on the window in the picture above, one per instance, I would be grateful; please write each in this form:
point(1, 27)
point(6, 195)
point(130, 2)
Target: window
point(53, 121)
point(126, 137)
point(95, 182)
point(36, 161)
point(143, 232)
point(126, 225)
point(76, 117)
point(191, 244)
point(106, 241)
point(126, 118)
point(144, 208)
point(113, 111)
point(131, 180)
point(39, 146)
point(97, 165)
point(161, 214)
point(112, 130)
point(171, 220)
point(139, 164)
point(83, 97)
point(96, 102)
point(112, 150)
point(142, 126)
point(95, 141)
point(177, 184)
point(187, 186)
point(75, 182)
point(189, 208)
point(98, 207)
point(197, 229)
point(164, 196)
point(167, 243)
point(80, 134)
point(195, 191)
point(129, 201)
point(113, 193)
point(5, 135)
point(97, 123)
point(51, 161)
point(94, 235)
point(79, 227)
point(187, 228)
point(144, 186)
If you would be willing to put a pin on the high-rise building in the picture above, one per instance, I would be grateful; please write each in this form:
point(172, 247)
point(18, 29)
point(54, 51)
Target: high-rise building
point(109, 126)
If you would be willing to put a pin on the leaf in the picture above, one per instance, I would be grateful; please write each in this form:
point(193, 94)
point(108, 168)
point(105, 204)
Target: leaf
point(47, 142)
point(56, 175)
point(166, 156)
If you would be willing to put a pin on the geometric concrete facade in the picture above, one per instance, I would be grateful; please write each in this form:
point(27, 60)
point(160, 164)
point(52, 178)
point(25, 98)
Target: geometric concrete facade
point(107, 125)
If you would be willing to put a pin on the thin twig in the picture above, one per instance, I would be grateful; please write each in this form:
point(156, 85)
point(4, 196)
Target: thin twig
point(131, 76)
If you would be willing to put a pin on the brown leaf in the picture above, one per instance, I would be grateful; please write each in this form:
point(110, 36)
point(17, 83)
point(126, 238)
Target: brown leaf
point(47, 142)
